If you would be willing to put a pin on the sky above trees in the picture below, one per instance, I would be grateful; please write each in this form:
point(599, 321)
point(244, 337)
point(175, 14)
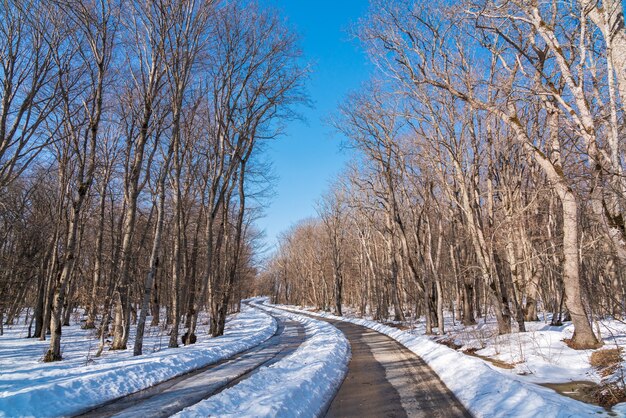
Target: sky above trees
point(309, 155)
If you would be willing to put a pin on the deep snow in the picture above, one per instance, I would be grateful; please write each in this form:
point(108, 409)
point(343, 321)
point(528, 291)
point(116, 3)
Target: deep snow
point(300, 385)
point(29, 387)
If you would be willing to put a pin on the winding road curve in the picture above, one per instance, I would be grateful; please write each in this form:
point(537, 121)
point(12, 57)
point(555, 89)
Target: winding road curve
point(174, 395)
point(384, 379)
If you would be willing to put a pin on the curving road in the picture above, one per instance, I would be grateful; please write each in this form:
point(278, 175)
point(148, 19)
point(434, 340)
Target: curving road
point(174, 395)
point(385, 379)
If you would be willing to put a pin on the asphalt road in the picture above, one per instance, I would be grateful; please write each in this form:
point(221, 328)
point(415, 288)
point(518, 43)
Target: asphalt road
point(385, 379)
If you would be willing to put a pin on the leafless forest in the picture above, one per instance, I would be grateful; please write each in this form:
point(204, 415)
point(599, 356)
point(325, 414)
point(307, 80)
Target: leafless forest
point(130, 159)
point(488, 176)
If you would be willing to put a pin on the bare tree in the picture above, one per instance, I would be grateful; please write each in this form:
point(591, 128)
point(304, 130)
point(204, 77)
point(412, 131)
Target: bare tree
point(81, 102)
point(29, 39)
point(244, 107)
point(147, 27)
point(416, 59)
point(331, 210)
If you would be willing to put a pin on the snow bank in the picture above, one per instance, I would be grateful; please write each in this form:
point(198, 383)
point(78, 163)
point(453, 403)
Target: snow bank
point(482, 390)
point(302, 384)
point(30, 388)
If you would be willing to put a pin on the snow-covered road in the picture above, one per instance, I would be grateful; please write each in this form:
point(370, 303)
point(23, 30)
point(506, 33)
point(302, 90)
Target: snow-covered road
point(385, 379)
point(172, 396)
point(302, 384)
point(483, 391)
point(269, 363)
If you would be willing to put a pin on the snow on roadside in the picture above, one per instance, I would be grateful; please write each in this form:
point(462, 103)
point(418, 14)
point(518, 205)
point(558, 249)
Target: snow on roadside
point(301, 384)
point(482, 390)
point(32, 388)
point(539, 355)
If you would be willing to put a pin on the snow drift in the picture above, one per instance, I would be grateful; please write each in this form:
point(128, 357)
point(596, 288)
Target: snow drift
point(301, 385)
point(64, 388)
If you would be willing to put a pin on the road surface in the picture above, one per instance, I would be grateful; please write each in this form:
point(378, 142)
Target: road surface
point(174, 395)
point(385, 379)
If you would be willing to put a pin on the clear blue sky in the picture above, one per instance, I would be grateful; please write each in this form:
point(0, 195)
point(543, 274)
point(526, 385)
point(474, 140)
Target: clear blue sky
point(308, 157)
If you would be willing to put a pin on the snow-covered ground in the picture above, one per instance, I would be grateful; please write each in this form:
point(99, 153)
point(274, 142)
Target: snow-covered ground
point(301, 384)
point(539, 355)
point(29, 387)
point(490, 391)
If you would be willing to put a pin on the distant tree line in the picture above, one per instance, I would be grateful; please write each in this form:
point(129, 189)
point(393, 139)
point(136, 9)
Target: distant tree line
point(488, 175)
point(130, 159)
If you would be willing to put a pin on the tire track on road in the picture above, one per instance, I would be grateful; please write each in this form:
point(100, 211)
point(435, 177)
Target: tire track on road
point(172, 396)
point(385, 379)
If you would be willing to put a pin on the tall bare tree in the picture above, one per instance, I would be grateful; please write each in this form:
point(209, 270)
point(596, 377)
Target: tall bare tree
point(88, 51)
point(29, 40)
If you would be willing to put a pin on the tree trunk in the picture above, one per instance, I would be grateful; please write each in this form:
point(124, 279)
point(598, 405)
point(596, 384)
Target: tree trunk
point(338, 286)
point(122, 306)
point(583, 337)
point(54, 352)
point(97, 269)
point(154, 265)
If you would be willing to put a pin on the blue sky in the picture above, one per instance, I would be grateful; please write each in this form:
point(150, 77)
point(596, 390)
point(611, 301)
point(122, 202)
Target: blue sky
point(309, 156)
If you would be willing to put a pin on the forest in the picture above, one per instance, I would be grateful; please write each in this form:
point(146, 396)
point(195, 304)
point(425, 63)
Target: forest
point(466, 255)
point(131, 160)
point(487, 176)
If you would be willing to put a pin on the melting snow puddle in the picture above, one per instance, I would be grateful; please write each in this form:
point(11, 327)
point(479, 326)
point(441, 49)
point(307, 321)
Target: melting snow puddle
point(584, 391)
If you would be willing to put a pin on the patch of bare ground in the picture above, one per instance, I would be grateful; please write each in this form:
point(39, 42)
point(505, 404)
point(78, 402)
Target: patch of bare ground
point(570, 343)
point(606, 394)
point(449, 342)
point(498, 363)
point(581, 391)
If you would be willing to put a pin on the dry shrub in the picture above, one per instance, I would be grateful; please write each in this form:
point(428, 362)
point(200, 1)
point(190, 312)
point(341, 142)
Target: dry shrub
point(609, 394)
point(449, 342)
point(606, 361)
